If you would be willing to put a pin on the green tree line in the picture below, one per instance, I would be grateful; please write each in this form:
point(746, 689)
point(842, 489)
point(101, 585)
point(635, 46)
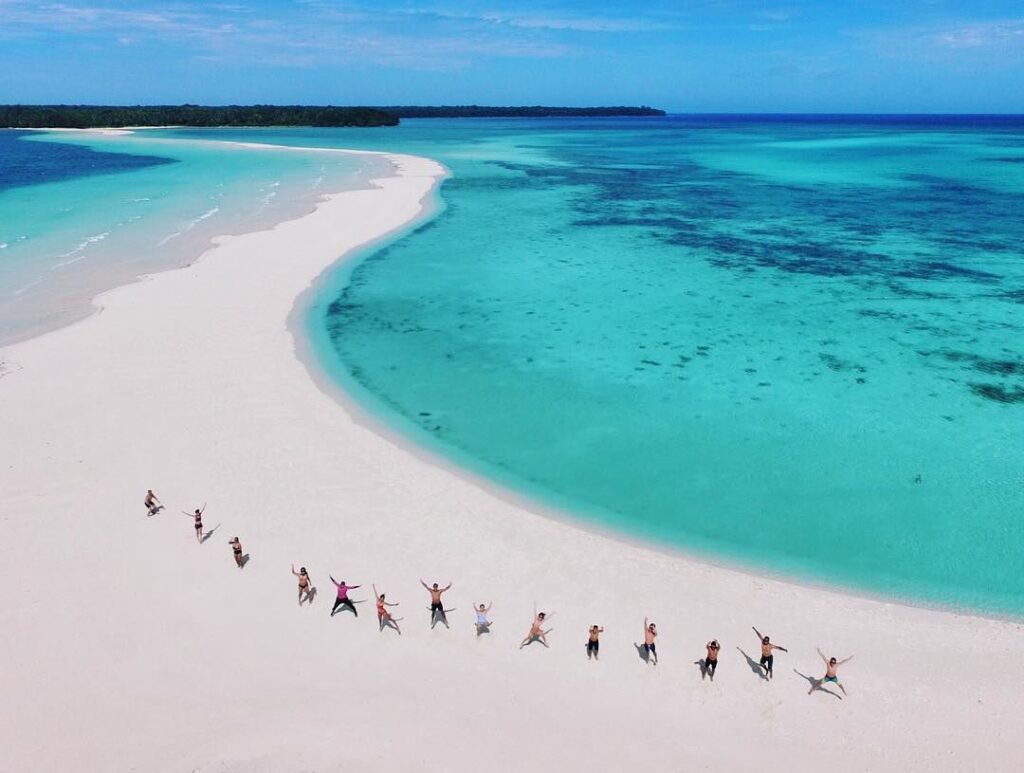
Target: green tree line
point(91, 116)
point(531, 111)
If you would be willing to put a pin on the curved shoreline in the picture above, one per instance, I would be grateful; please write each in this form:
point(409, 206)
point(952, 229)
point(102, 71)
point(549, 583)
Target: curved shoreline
point(83, 303)
point(190, 383)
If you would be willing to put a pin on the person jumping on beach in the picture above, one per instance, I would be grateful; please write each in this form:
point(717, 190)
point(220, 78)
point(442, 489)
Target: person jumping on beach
point(236, 548)
point(384, 617)
point(436, 607)
point(537, 632)
point(152, 503)
point(343, 600)
point(305, 587)
point(767, 658)
point(198, 516)
point(831, 664)
point(594, 641)
point(650, 634)
point(711, 659)
point(483, 625)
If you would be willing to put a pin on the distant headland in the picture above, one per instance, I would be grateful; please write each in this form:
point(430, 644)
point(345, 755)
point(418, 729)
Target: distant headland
point(108, 116)
point(534, 111)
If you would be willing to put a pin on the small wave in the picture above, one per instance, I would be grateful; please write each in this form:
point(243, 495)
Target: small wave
point(167, 238)
point(191, 224)
point(4, 245)
point(143, 198)
point(75, 255)
point(26, 288)
point(205, 215)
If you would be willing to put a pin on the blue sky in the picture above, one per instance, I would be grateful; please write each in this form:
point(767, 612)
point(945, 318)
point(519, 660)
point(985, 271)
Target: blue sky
point(686, 56)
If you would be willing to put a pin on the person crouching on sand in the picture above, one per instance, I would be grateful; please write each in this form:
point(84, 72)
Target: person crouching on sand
point(594, 642)
point(767, 658)
point(151, 502)
point(305, 587)
point(711, 659)
point(236, 548)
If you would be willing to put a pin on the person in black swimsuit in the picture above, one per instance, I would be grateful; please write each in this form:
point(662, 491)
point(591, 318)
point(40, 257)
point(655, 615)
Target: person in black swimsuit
point(711, 659)
point(198, 515)
point(767, 658)
point(594, 641)
point(236, 547)
point(436, 607)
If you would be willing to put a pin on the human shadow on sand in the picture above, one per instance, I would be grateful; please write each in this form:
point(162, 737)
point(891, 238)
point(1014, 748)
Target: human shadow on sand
point(482, 628)
point(245, 560)
point(345, 608)
point(754, 665)
point(704, 671)
point(208, 534)
point(645, 656)
point(440, 616)
point(817, 684)
point(532, 639)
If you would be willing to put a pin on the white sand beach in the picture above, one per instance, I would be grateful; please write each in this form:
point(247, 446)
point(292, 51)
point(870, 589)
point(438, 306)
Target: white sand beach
point(127, 646)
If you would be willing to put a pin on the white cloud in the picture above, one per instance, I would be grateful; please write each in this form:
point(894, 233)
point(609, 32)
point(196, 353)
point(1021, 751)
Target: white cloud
point(982, 34)
point(309, 34)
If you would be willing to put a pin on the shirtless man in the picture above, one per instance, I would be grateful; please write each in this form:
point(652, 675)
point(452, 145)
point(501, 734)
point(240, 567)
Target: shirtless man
point(436, 607)
point(305, 587)
point(831, 664)
point(383, 616)
point(594, 641)
point(537, 632)
point(236, 548)
point(650, 633)
point(198, 516)
point(767, 659)
point(152, 503)
point(711, 659)
point(483, 625)
point(343, 600)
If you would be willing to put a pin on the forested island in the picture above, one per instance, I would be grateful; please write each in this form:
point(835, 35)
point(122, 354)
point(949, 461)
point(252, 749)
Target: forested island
point(93, 116)
point(534, 111)
point(106, 116)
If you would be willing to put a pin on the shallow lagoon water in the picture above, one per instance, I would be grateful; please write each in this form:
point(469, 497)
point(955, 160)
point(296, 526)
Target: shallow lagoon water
point(83, 212)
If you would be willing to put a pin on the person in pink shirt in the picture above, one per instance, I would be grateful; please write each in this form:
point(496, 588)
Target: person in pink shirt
point(343, 600)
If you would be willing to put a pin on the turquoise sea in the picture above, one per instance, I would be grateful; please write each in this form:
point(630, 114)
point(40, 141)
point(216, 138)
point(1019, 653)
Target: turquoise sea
point(792, 343)
point(80, 213)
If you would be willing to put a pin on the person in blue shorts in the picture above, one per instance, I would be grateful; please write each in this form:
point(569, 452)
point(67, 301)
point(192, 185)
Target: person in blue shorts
point(831, 664)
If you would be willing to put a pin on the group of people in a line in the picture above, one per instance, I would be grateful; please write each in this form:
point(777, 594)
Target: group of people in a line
point(537, 632)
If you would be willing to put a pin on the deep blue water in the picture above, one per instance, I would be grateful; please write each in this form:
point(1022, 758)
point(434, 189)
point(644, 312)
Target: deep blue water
point(33, 163)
